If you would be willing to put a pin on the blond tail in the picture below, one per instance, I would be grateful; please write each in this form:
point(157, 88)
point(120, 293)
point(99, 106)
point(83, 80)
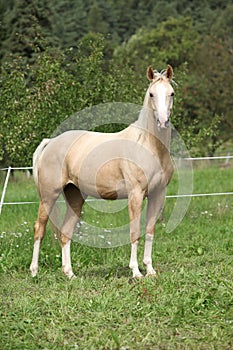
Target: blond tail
point(36, 157)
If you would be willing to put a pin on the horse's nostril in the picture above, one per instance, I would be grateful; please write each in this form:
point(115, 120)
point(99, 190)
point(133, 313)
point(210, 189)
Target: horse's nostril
point(167, 123)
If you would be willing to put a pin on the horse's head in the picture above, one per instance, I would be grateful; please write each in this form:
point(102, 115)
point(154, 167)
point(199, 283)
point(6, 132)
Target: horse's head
point(161, 95)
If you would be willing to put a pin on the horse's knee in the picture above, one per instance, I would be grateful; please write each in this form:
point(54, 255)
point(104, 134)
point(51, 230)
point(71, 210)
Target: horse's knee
point(134, 237)
point(64, 239)
point(150, 229)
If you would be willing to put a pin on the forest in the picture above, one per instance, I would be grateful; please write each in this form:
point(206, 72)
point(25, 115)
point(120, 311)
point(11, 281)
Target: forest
point(59, 57)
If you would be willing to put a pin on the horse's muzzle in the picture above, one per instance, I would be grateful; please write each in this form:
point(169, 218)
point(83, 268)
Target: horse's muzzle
point(163, 125)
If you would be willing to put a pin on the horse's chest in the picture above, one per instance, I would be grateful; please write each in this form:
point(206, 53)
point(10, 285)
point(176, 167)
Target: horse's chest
point(160, 175)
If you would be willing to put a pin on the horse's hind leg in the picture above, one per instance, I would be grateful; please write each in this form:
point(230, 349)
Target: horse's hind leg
point(39, 233)
point(74, 201)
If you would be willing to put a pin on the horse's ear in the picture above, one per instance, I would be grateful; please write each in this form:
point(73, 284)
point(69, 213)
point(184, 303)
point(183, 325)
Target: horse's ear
point(150, 73)
point(169, 72)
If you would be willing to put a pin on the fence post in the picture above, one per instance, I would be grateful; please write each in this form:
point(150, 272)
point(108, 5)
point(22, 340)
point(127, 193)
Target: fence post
point(4, 188)
point(227, 159)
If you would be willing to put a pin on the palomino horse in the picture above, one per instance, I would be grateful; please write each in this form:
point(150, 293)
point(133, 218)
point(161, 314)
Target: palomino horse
point(134, 163)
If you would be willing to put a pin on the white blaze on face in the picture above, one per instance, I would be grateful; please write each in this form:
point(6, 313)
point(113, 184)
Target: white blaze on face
point(162, 108)
point(162, 101)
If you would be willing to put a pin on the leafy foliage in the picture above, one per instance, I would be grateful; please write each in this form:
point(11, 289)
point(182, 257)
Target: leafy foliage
point(25, 28)
point(54, 62)
point(32, 110)
point(154, 45)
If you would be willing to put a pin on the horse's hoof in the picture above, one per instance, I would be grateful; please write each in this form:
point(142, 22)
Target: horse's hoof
point(68, 272)
point(34, 270)
point(138, 275)
point(151, 273)
point(73, 277)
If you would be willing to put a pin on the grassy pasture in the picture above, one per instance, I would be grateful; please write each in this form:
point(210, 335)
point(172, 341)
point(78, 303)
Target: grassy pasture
point(188, 306)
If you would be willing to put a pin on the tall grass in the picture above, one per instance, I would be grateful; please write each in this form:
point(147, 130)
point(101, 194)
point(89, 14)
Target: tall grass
point(189, 305)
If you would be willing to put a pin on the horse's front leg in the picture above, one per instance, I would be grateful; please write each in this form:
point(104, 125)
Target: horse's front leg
point(134, 206)
point(154, 207)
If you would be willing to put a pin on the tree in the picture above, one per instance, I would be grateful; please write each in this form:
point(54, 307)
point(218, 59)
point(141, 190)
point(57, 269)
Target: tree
point(31, 112)
point(222, 28)
point(70, 22)
point(213, 70)
point(170, 42)
point(25, 29)
point(96, 22)
point(41, 87)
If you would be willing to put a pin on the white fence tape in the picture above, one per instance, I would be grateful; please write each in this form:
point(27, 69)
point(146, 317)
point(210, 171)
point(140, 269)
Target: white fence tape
point(171, 196)
point(209, 158)
point(18, 168)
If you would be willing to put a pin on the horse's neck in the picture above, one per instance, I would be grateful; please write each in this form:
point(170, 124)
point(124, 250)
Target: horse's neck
point(149, 127)
point(164, 135)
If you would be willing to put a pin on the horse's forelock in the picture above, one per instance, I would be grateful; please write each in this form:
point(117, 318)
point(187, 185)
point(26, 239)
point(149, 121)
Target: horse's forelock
point(162, 76)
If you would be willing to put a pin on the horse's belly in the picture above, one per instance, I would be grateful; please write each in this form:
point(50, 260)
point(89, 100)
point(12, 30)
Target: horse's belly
point(103, 181)
point(105, 190)
point(116, 190)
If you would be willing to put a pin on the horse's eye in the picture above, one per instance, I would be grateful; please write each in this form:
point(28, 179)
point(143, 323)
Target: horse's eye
point(172, 94)
point(151, 95)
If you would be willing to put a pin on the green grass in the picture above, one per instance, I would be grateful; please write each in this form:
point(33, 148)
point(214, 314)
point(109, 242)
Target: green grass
point(188, 306)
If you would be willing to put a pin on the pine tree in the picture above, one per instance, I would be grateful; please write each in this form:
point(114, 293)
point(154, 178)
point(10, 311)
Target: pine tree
point(96, 22)
point(70, 21)
point(27, 28)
